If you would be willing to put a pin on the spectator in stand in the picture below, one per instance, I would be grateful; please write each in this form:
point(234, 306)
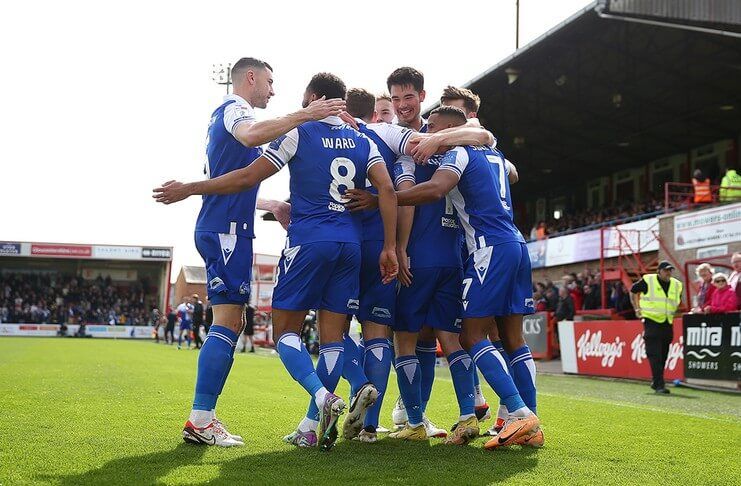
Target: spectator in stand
point(592, 298)
point(724, 298)
point(565, 308)
point(541, 305)
point(733, 280)
point(541, 232)
point(197, 320)
point(705, 295)
point(701, 186)
point(551, 299)
point(730, 186)
point(571, 284)
point(620, 300)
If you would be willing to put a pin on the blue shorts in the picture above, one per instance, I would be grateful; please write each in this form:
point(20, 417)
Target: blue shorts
point(322, 275)
point(185, 326)
point(433, 299)
point(228, 260)
point(377, 301)
point(498, 281)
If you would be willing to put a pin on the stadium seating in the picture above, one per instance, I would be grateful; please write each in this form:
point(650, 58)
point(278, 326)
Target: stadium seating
point(574, 222)
point(56, 298)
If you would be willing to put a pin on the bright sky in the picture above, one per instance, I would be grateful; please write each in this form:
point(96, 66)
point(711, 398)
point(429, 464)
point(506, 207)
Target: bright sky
point(102, 101)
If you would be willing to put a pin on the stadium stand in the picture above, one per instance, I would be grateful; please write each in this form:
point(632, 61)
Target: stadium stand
point(62, 298)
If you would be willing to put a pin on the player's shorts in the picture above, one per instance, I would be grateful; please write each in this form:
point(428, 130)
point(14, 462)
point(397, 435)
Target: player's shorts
point(377, 301)
point(185, 326)
point(321, 275)
point(498, 281)
point(228, 260)
point(433, 299)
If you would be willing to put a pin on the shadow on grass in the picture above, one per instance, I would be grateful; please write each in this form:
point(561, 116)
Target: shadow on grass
point(385, 462)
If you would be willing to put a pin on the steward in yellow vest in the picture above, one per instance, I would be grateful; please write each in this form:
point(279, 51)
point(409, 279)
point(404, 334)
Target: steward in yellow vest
point(656, 298)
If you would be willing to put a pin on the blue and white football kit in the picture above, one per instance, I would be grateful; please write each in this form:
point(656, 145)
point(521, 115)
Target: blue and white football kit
point(320, 266)
point(225, 225)
point(223, 236)
point(433, 298)
point(377, 300)
point(497, 280)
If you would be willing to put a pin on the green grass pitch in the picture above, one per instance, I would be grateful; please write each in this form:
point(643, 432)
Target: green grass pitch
point(110, 412)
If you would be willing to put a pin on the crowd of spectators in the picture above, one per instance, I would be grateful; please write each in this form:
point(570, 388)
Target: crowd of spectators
point(580, 291)
point(60, 298)
point(592, 219)
point(716, 291)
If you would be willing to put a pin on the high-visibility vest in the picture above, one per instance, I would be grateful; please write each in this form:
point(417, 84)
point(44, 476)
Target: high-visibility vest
point(702, 191)
point(730, 187)
point(657, 305)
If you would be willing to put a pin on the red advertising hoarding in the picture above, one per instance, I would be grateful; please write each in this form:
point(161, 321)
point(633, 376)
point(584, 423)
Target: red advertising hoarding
point(615, 348)
point(71, 251)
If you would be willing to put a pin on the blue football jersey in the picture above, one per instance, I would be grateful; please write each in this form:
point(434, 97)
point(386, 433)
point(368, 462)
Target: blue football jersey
point(391, 142)
point(435, 239)
point(234, 213)
point(325, 158)
point(482, 196)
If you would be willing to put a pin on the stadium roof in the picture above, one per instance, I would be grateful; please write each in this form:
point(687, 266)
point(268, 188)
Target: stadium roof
point(194, 275)
point(617, 85)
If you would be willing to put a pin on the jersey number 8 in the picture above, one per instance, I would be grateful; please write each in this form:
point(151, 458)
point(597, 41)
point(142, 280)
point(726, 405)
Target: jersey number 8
point(341, 180)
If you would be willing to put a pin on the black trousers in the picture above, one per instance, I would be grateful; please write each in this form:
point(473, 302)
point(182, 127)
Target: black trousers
point(170, 334)
point(197, 335)
point(658, 337)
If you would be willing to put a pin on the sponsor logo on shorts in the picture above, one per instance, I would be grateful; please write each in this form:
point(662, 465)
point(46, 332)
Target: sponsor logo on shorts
point(244, 289)
point(215, 283)
point(529, 302)
point(381, 312)
point(353, 304)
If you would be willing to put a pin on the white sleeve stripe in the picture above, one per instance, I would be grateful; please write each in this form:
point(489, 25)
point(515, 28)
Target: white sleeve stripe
point(373, 161)
point(274, 160)
point(403, 178)
point(403, 143)
point(451, 168)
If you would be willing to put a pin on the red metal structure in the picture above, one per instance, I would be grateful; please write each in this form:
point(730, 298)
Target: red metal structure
point(679, 196)
point(626, 246)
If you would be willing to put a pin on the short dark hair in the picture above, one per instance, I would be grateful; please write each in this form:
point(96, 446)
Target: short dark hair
point(248, 62)
point(471, 100)
point(451, 111)
point(328, 85)
point(406, 76)
point(360, 103)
